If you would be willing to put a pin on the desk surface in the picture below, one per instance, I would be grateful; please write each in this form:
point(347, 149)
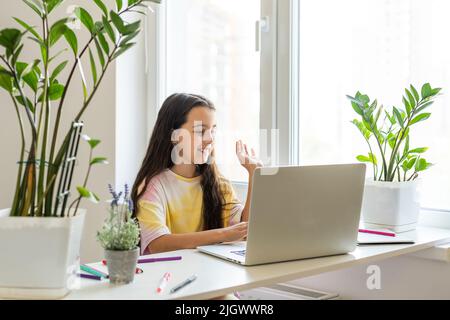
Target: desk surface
point(217, 277)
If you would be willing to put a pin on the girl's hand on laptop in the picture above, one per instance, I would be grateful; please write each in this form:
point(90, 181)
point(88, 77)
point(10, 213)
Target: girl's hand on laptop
point(234, 233)
point(248, 159)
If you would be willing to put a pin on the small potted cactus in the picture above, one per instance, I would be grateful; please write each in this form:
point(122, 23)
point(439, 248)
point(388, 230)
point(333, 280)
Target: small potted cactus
point(119, 237)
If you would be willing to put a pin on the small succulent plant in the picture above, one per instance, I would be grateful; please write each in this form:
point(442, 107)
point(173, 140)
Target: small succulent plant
point(120, 231)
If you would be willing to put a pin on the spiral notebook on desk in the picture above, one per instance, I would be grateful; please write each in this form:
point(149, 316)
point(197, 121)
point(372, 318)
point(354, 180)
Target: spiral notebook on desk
point(368, 239)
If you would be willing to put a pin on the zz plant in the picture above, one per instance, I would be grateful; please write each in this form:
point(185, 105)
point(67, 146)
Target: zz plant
point(34, 86)
point(387, 134)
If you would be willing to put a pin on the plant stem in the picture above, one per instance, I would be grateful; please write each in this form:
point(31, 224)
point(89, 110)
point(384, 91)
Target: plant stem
point(402, 137)
point(379, 146)
point(387, 140)
point(390, 172)
point(89, 100)
point(40, 119)
point(29, 182)
point(373, 162)
point(22, 154)
point(412, 176)
point(46, 103)
point(27, 108)
point(381, 174)
point(84, 184)
point(41, 202)
point(400, 161)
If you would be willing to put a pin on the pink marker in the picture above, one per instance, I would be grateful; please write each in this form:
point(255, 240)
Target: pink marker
point(380, 233)
point(163, 282)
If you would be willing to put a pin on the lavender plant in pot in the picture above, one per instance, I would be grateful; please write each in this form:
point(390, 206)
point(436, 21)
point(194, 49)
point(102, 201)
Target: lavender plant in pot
point(41, 222)
point(391, 196)
point(119, 237)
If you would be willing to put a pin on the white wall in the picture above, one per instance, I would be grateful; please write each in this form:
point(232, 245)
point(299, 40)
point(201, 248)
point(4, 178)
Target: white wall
point(132, 111)
point(115, 119)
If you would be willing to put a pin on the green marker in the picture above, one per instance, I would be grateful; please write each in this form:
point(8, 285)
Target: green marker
point(93, 271)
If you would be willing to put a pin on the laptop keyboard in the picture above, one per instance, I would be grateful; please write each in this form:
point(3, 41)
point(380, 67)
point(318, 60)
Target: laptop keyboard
point(239, 253)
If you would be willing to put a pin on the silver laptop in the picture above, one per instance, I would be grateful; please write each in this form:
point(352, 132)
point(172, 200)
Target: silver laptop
point(298, 213)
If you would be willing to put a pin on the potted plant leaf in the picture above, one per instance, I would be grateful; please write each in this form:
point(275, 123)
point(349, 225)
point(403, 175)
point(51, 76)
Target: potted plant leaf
point(119, 237)
point(390, 196)
point(44, 222)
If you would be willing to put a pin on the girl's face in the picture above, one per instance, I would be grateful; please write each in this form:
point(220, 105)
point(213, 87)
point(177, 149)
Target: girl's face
point(195, 139)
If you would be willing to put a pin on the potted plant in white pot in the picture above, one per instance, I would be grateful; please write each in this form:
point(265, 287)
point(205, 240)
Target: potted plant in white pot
point(390, 196)
point(119, 237)
point(41, 223)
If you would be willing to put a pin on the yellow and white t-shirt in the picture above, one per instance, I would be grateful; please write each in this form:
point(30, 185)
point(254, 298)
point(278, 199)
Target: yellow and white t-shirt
point(172, 204)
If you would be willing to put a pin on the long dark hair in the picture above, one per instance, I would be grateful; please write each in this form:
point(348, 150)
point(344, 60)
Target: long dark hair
point(172, 116)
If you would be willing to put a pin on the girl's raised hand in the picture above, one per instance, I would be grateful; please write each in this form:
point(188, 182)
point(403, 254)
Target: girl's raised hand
point(248, 160)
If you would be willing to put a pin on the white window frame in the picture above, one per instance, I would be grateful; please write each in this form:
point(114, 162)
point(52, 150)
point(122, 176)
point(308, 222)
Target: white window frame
point(279, 56)
point(156, 65)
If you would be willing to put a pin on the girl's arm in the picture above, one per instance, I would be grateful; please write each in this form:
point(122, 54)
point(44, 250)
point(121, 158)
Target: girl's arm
point(246, 211)
point(250, 162)
point(172, 242)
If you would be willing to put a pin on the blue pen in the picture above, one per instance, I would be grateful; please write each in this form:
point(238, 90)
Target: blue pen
point(183, 284)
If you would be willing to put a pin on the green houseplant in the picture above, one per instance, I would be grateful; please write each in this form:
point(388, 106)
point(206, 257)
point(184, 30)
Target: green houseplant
point(119, 237)
point(37, 89)
point(390, 199)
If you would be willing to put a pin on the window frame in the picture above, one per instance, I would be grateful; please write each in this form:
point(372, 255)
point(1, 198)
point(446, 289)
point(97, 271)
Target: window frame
point(156, 64)
point(279, 54)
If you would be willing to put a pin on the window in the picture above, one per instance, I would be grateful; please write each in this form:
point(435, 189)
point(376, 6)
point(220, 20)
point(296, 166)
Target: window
point(210, 50)
point(313, 53)
point(379, 48)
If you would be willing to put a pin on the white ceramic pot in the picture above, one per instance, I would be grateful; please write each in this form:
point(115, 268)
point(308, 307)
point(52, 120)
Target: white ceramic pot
point(39, 257)
point(391, 205)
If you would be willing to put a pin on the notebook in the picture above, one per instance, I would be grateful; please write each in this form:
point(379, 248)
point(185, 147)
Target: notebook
point(368, 238)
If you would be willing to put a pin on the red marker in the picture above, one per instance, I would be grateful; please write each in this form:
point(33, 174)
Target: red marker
point(163, 282)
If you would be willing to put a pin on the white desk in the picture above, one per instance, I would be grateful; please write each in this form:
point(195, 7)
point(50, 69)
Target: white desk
point(218, 277)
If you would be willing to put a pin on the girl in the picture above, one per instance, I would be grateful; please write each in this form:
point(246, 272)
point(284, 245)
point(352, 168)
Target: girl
point(181, 201)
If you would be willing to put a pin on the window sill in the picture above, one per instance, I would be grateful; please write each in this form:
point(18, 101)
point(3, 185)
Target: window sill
point(437, 253)
point(435, 218)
